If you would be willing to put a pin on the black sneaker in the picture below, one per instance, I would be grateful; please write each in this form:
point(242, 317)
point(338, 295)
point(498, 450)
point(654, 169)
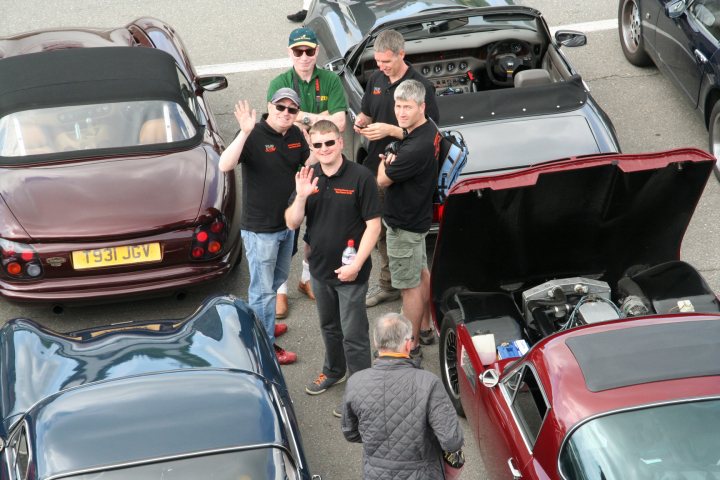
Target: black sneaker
point(427, 337)
point(321, 384)
point(297, 17)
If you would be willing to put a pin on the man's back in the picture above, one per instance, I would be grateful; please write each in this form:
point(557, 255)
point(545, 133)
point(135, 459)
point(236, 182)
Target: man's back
point(404, 419)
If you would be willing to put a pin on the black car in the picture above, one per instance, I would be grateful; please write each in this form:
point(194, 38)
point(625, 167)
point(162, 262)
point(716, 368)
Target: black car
point(500, 76)
point(683, 39)
point(173, 399)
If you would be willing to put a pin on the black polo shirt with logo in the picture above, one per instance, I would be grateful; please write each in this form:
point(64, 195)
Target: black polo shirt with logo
point(378, 102)
point(336, 212)
point(408, 200)
point(269, 163)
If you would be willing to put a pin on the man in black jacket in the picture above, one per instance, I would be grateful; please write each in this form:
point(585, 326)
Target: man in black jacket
point(400, 413)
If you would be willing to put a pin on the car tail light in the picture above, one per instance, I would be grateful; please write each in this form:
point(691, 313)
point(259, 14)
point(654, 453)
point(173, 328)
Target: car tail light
point(20, 261)
point(209, 239)
point(438, 209)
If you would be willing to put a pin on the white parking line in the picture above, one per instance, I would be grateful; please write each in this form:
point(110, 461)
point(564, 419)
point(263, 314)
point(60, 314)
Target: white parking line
point(284, 63)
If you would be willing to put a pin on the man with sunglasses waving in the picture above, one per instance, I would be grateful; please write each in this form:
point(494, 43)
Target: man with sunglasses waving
point(340, 200)
point(270, 152)
point(321, 97)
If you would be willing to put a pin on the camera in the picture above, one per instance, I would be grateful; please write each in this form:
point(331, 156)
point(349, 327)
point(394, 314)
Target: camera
point(392, 147)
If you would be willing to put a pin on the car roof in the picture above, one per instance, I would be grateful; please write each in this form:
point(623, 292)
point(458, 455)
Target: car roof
point(87, 75)
point(638, 345)
point(152, 416)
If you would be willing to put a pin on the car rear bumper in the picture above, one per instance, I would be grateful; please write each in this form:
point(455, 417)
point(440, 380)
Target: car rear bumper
point(116, 285)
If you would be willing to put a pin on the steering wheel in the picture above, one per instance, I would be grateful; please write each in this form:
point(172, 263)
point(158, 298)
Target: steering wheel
point(502, 62)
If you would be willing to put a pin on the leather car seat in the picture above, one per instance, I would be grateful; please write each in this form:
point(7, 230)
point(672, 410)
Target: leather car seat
point(531, 78)
point(36, 140)
point(154, 131)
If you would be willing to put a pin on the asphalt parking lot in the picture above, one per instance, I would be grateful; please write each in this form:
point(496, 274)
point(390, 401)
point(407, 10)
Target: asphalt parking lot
point(649, 114)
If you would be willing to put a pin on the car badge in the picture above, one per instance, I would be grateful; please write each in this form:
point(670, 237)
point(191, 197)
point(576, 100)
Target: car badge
point(56, 261)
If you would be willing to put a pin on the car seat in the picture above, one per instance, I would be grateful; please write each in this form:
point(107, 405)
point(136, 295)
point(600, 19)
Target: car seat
point(531, 78)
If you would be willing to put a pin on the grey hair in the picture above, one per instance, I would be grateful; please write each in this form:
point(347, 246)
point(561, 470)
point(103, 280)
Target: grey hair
point(391, 331)
point(390, 40)
point(410, 90)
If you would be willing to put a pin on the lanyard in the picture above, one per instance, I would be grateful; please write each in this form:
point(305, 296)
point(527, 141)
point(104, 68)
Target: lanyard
point(296, 87)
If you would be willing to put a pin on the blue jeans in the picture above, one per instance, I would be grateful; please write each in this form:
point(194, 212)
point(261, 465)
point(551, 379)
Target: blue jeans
point(268, 256)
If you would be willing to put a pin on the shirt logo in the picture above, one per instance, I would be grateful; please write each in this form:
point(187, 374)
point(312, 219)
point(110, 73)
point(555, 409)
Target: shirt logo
point(294, 145)
point(377, 91)
point(270, 148)
point(436, 144)
point(315, 190)
point(324, 98)
point(343, 191)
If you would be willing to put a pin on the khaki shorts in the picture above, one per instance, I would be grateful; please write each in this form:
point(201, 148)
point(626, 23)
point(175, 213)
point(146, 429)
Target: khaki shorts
point(408, 257)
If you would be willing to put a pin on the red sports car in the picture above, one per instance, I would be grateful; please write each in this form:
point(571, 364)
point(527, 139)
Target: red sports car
point(574, 340)
point(108, 167)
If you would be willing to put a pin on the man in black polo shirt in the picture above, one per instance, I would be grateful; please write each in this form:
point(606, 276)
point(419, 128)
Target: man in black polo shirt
point(378, 124)
point(271, 152)
point(410, 179)
point(340, 200)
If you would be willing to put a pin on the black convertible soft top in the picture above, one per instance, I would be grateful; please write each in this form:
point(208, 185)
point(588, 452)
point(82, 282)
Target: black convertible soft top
point(86, 76)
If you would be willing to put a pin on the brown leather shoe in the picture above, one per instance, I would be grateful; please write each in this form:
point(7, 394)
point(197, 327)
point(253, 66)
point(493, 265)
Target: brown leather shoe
point(306, 288)
point(281, 306)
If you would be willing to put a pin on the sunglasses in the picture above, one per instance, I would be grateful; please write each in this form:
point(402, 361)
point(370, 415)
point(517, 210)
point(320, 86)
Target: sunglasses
point(328, 143)
point(291, 110)
point(310, 52)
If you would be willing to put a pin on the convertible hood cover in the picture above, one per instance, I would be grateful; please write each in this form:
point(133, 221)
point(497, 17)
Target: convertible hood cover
point(36, 363)
point(594, 216)
point(102, 198)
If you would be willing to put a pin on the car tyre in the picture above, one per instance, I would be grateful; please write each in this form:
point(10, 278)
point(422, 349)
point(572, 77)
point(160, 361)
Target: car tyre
point(714, 137)
point(630, 30)
point(448, 358)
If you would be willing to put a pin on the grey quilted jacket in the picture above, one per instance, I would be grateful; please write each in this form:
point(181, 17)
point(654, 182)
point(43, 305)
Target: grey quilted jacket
point(404, 419)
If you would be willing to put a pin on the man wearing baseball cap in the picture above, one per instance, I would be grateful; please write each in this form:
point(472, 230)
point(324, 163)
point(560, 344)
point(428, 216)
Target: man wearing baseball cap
point(321, 98)
point(270, 153)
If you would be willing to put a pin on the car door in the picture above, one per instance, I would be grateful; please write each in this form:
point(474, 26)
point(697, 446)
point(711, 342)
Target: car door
point(686, 43)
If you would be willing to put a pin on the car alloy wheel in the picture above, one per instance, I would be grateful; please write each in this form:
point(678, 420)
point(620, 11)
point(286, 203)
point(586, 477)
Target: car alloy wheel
point(630, 30)
point(448, 359)
point(714, 136)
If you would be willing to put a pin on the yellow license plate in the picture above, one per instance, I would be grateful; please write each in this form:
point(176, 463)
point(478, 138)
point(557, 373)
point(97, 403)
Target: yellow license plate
point(111, 256)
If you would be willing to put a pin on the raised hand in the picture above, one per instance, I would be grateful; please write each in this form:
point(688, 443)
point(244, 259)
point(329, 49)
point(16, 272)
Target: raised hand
point(245, 116)
point(305, 184)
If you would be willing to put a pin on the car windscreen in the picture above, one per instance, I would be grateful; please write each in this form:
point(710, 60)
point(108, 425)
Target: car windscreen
point(259, 463)
point(675, 441)
point(470, 24)
point(99, 126)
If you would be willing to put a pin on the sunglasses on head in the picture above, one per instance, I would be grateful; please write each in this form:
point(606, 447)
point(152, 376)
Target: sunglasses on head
point(328, 143)
point(291, 110)
point(310, 52)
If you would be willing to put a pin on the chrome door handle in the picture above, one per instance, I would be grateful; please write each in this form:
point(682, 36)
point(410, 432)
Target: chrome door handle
point(700, 57)
point(514, 471)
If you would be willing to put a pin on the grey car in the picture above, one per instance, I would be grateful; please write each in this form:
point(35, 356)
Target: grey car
point(500, 76)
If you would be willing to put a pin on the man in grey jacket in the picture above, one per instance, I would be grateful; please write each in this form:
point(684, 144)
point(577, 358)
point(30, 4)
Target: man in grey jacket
point(400, 413)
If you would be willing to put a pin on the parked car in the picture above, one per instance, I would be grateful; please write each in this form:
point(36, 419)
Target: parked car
point(175, 399)
point(500, 76)
point(680, 37)
point(595, 352)
point(108, 176)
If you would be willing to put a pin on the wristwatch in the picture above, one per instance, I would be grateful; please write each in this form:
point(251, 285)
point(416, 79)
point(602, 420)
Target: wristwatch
point(306, 120)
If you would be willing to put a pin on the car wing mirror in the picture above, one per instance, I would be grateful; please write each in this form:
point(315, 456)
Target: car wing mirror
point(570, 38)
point(337, 65)
point(490, 377)
point(675, 8)
point(212, 83)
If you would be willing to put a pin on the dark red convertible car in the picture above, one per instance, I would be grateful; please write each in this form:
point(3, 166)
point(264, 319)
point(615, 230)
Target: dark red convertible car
point(108, 166)
point(573, 338)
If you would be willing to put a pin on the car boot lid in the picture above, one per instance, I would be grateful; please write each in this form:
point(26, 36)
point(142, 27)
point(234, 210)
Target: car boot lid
point(594, 216)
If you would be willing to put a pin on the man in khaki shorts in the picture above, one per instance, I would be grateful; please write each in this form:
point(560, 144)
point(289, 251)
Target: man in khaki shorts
point(409, 175)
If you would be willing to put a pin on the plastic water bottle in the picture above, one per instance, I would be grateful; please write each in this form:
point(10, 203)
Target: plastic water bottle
point(348, 255)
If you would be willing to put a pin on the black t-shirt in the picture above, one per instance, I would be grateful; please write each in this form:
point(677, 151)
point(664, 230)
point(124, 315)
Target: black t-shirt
point(269, 162)
point(408, 201)
point(336, 212)
point(378, 102)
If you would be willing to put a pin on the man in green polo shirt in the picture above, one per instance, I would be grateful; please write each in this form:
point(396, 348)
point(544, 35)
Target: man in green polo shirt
point(321, 98)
